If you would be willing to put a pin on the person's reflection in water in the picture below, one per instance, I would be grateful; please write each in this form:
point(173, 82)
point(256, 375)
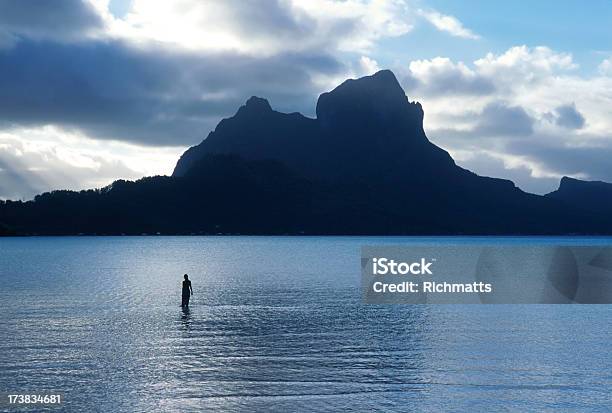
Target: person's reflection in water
point(187, 291)
point(186, 318)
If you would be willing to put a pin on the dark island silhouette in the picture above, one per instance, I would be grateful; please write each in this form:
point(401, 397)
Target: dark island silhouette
point(593, 196)
point(363, 166)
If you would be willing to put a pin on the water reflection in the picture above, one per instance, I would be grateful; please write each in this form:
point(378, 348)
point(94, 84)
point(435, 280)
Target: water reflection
point(186, 318)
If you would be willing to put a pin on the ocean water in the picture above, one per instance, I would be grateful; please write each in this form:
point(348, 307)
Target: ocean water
point(277, 324)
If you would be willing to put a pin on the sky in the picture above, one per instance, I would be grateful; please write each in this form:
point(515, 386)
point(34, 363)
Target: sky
point(97, 90)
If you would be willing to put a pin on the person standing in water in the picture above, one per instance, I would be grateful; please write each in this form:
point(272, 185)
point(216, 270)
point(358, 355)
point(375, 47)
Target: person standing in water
point(187, 291)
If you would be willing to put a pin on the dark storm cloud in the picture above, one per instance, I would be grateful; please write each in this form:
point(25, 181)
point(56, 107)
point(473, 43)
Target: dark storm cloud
point(58, 19)
point(500, 119)
point(568, 117)
point(147, 96)
point(592, 161)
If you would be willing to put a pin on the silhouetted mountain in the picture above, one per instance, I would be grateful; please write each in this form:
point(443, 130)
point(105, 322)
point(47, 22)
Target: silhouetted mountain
point(364, 129)
point(363, 166)
point(593, 196)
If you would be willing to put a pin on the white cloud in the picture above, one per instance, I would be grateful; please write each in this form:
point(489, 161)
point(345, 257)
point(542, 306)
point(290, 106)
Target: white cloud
point(33, 160)
point(258, 28)
point(605, 67)
point(264, 28)
point(448, 24)
point(441, 76)
point(370, 20)
point(539, 112)
point(524, 64)
point(368, 66)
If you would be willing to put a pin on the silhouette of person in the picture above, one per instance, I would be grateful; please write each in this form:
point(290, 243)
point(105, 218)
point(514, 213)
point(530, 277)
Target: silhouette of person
point(187, 291)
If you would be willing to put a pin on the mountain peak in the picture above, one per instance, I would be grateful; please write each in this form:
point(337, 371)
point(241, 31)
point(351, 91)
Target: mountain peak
point(566, 180)
point(377, 101)
point(257, 104)
point(568, 184)
point(383, 77)
point(595, 196)
point(358, 118)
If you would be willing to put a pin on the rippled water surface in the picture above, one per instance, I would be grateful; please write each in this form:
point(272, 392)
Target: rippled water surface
point(276, 324)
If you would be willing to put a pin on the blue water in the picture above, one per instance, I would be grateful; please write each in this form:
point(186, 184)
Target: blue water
point(276, 324)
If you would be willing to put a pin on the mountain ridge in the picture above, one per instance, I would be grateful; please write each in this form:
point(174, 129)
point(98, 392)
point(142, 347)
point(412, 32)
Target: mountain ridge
point(592, 196)
point(364, 165)
point(362, 107)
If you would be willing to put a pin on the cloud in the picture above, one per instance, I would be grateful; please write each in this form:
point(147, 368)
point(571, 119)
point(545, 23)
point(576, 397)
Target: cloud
point(448, 24)
point(167, 72)
point(526, 173)
point(34, 160)
point(258, 28)
point(368, 66)
point(442, 77)
point(27, 170)
point(591, 162)
point(57, 19)
point(524, 64)
point(148, 96)
point(370, 20)
point(265, 27)
point(605, 67)
point(567, 116)
point(522, 117)
point(501, 119)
